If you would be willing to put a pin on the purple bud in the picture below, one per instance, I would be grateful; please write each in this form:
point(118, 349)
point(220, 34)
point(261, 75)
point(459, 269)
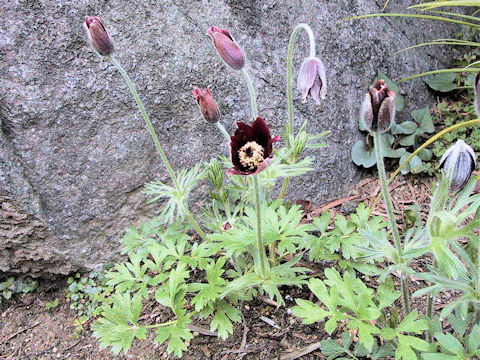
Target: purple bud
point(227, 48)
point(207, 105)
point(378, 108)
point(312, 80)
point(458, 162)
point(98, 35)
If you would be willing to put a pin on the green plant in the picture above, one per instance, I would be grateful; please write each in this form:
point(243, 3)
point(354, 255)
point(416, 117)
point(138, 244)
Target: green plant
point(87, 293)
point(348, 301)
point(52, 304)
point(253, 244)
point(16, 285)
point(205, 277)
point(399, 141)
point(462, 343)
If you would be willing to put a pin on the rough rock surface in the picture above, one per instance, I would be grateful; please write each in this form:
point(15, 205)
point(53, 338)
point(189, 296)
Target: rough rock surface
point(74, 150)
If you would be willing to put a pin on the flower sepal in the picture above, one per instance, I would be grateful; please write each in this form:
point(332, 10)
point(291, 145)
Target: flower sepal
point(378, 108)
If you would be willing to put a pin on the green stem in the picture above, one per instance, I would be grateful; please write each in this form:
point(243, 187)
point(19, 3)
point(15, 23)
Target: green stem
point(388, 204)
point(154, 136)
point(291, 120)
point(195, 224)
point(477, 305)
point(262, 257)
point(423, 146)
point(223, 131)
point(283, 190)
point(251, 92)
point(167, 323)
point(291, 45)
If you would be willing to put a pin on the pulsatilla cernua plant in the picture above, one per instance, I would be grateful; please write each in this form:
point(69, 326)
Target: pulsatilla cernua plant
point(248, 243)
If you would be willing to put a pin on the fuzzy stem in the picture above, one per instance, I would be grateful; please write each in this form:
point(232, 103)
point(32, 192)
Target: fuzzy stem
point(283, 190)
point(423, 146)
point(438, 204)
point(223, 131)
point(388, 203)
point(477, 305)
point(154, 136)
point(291, 45)
point(291, 120)
point(251, 92)
point(261, 248)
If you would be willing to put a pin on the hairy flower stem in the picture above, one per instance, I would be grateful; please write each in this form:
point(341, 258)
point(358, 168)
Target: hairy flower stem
point(438, 204)
point(223, 131)
point(289, 128)
point(291, 45)
point(388, 203)
point(154, 136)
point(262, 257)
point(251, 92)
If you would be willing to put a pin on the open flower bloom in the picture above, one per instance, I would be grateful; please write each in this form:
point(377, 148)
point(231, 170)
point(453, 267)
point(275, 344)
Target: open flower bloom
point(312, 80)
point(458, 162)
point(207, 105)
point(251, 147)
point(378, 108)
point(98, 35)
point(227, 48)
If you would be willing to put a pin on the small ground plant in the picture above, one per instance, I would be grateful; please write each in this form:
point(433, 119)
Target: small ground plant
point(12, 286)
point(249, 241)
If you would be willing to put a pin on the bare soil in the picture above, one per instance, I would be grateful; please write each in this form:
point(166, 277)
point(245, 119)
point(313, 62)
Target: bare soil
point(29, 331)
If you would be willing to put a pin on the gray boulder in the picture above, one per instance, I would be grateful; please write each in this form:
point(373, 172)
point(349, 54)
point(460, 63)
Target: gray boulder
point(75, 153)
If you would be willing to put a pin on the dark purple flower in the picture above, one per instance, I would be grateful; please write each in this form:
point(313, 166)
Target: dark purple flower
point(227, 48)
point(458, 162)
point(312, 80)
point(378, 108)
point(207, 105)
point(98, 35)
point(251, 147)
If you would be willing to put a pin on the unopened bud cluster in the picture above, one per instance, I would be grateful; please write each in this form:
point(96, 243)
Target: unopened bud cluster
point(378, 108)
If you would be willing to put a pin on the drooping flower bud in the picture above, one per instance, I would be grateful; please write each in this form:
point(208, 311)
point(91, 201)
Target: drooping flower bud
point(458, 163)
point(477, 94)
point(98, 35)
point(312, 80)
point(207, 105)
point(378, 108)
point(227, 48)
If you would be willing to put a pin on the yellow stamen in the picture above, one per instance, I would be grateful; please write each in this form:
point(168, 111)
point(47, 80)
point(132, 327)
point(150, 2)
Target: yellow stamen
point(251, 155)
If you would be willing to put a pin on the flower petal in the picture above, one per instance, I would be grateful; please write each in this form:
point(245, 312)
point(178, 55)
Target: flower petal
point(258, 132)
point(306, 76)
point(366, 112)
point(386, 114)
point(227, 48)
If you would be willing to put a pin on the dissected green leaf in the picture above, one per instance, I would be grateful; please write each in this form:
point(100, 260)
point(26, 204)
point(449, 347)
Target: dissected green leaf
point(176, 334)
point(118, 326)
point(222, 321)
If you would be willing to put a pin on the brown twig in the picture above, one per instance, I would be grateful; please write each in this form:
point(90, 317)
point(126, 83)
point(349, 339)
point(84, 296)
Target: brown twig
point(245, 332)
point(299, 353)
point(334, 204)
point(201, 330)
point(18, 332)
